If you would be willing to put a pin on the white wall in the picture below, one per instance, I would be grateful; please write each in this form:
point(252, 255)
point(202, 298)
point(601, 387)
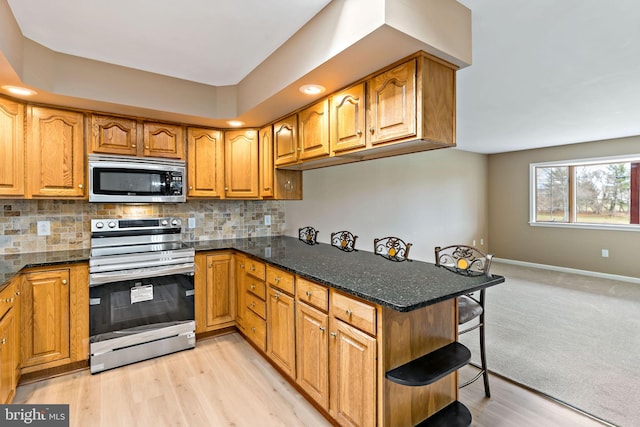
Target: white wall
point(428, 199)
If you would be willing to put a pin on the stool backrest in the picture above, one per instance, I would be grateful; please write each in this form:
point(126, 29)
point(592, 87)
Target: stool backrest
point(344, 240)
point(463, 259)
point(392, 248)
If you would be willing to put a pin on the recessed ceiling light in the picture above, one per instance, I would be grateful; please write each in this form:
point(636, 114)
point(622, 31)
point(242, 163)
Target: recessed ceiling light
point(235, 123)
point(312, 89)
point(17, 90)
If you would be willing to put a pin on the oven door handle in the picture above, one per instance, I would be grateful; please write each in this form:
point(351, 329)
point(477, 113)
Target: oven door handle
point(96, 279)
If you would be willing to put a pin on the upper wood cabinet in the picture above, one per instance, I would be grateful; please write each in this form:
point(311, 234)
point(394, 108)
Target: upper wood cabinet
point(163, 140)
point(205, 163)
point(391, 111)
point(267, 170)
point(313, 131)
point(348, 119)
point(241, 164)
point(124, 136)
point(113, 135)
point(285, 141)
point(55, 153)
point(11, 148)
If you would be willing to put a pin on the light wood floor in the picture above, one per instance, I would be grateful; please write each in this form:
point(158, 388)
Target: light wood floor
point(225, 382)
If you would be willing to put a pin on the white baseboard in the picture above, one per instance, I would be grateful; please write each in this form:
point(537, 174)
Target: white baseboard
point(569, 270)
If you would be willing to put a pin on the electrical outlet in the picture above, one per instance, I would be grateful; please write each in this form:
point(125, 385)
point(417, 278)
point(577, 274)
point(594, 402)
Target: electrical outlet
point(605, 253)
point(44, 228)
point(267, 220)
point(481, 241)
point(473, 242)
point(192, 223)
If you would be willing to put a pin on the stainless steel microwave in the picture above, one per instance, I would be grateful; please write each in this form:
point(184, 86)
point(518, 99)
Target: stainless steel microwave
point(119, 179)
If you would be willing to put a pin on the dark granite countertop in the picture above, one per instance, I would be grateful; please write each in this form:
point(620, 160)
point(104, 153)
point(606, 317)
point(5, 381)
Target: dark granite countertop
point(401, 286)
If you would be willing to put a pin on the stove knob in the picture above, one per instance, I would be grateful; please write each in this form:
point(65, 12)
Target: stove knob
point(174, 222)
point(99, 225)
point(111, 224)
point(164, 222)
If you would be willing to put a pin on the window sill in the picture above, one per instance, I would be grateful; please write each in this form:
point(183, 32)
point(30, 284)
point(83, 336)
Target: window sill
point(608, 227)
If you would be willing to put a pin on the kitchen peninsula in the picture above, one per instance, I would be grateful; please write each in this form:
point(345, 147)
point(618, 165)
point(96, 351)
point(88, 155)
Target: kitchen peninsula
point(369, 316)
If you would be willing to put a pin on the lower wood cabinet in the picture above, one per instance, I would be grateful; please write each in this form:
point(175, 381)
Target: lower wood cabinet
point(312, 353)
point(281, 341)
point(215, 305)
point(54, 318)
point(9, 342)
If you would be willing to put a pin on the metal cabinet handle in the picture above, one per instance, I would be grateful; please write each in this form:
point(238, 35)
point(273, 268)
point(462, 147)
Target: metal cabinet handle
point(253, 329)
point(372, 130)
point(133, 145)
point(80, 186)
point(146, 147)
point(253, 287)
point(349, 312)
point(322, 328)
point(226, 188)
point(4, 341)
point(253, 304)
point(333, 334)
point(308, 293)
point(64, 281)
point(276, 295)
point(242, 266)
point(17, 293)
point(191, 187)
point(253, 267)
point(277, 279)
point(359, 133)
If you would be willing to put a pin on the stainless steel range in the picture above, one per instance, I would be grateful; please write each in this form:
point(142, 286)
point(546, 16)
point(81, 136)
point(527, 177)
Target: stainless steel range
point(141, 294)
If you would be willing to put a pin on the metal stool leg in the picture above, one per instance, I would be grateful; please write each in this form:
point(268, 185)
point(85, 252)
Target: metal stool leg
point(483, 355)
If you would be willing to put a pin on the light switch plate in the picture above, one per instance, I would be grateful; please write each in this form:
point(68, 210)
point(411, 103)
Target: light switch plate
point(192, 223)
point(267, 220)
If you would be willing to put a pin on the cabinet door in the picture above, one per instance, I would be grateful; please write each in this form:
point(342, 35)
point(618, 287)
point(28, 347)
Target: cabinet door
point(11, 148)
point(113, 135)
point(8, 359)
point(312, 350)
point(266, 162)
point(285, 141)
point(163, 140)
point(281, 340)
point(205, 150)
point(392, 104)
point(45, 317)
point(313, 131)
point(241, 164)
point(55, 153)
point(220, 301)
point(241, 301)
point(353, 375)
point(347, 119)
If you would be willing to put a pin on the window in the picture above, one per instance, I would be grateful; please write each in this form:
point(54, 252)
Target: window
point(589, 193)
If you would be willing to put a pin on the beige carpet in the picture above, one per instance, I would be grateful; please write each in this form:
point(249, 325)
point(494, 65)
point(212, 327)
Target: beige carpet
point(573, 337)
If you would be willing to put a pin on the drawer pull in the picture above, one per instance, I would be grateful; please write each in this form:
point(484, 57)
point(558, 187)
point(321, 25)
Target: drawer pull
point(64, 281)
point(4, 341)
point(278, 279)
point(253, 287)
point(242, 266)
point(276, 295)
point(308, 294)
point(17, 293)
point(253, 304)
point(253, 329)
point(322, 328)
point(333, 334)
point(349, 312)
point(253, 267)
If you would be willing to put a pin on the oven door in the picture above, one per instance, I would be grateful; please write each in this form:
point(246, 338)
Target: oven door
point(129, 307)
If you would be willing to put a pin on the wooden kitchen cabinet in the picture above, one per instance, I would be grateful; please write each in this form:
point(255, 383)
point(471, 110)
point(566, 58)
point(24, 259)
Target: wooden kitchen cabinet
point(285, 141)
point(241, 164)
point(113, 135)
point(12, 148)
point(205, 163)
point(313, 131)
point(312, 352)
point(348, 119)
point(215, 305)
point(54, 316)
point(163, 140)
point(352, 361)
point(281, 320)
point(391, 110)
point(55, 153)
point(252, 295)
point(278, 184)
point(9, 341)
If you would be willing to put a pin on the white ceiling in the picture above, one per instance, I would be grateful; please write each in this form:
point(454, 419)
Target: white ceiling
point(544, 72)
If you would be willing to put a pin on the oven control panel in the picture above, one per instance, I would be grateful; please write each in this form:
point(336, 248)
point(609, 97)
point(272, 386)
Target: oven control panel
point(141, 224)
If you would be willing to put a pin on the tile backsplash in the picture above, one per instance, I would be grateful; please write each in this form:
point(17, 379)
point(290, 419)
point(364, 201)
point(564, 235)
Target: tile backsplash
point(70, 221)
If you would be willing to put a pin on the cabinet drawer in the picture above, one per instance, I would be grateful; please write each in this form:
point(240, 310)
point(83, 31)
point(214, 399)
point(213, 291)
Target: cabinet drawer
point(7, 298)
point(313, 294)
point(255, 268)
point(281, 280)
point(256, 330)
point(354, 312)
point(256, 305)
point(256, 287)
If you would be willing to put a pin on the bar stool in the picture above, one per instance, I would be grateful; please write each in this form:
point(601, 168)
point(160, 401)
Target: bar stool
point(392, 248)
point(344, 240)
point(308, 235)
point(469, 261)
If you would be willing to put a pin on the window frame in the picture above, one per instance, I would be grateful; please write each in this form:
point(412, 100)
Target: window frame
point(571, 164)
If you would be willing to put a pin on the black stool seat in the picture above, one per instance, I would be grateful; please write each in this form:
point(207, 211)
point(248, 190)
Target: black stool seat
point(468, 309)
